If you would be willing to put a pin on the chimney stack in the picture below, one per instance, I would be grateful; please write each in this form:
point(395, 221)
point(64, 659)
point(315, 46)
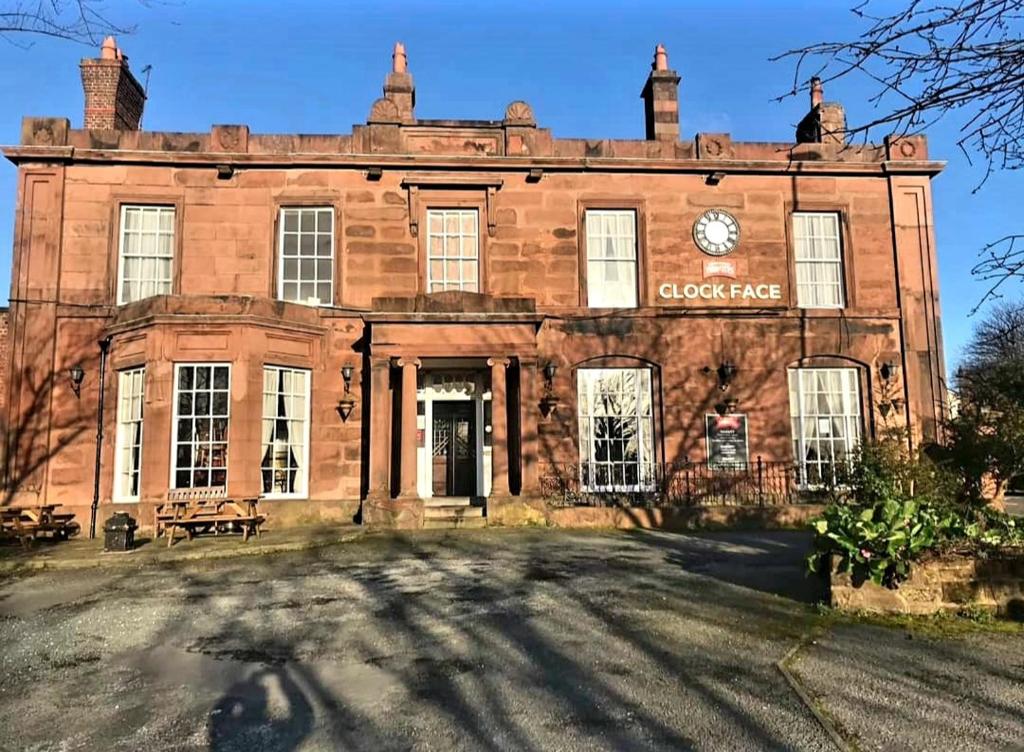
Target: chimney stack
point(825, 123)
point(661, 99)
point(113, 97)
point(398, 87)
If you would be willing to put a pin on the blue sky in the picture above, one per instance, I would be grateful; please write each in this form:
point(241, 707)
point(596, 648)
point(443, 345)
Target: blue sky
point(316, 67)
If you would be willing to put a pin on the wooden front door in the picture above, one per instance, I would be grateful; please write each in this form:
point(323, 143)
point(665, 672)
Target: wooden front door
point(454, 449)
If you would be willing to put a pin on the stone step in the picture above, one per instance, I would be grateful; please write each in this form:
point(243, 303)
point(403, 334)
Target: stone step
point(442, 513)
point(448, 501)
point(453, 523)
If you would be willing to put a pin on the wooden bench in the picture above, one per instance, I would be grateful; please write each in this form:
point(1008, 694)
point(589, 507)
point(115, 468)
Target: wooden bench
point(26, 523)
point(203, 510)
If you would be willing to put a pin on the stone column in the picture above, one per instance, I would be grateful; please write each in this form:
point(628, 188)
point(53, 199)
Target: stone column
point(380, 428)
point(529, 441)
point(407, 476)
point(499, 427)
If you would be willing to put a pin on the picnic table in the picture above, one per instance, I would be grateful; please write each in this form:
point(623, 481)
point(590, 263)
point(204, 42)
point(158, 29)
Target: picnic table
point(204, 510)
point(28, 522)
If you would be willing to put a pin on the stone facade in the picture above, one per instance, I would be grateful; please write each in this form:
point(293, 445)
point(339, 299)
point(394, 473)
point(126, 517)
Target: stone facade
point(530, 192)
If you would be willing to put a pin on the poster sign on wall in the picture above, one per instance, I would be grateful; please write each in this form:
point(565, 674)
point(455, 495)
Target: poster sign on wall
point(727, 439)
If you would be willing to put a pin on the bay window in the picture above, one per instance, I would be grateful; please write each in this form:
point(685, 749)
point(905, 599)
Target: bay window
point(202, 410)
point(285, 438)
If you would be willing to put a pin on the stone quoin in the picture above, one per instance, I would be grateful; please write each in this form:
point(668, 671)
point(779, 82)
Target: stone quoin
point(368, 324)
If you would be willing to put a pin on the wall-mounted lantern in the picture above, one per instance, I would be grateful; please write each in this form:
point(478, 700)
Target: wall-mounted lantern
point(726, 373)
point(76, 374)
point(887, 406)
point(549, 402)
point(347, 403)
point(727, 406)
point(887, 370)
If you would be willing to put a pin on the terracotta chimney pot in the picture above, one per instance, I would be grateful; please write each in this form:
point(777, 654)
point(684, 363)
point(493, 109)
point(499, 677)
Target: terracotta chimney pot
point(400, 62)
point(817, 92)
point(108, 50)
point(660, 58)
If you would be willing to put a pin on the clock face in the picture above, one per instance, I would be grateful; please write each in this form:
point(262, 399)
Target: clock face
point(716, 232)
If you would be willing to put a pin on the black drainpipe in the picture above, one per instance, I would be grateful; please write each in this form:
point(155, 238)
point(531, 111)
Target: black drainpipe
point(104, 347)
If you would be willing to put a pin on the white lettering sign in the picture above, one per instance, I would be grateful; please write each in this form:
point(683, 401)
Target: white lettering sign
point(720, 291)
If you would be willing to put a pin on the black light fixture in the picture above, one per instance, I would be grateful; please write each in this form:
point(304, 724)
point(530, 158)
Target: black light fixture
point(346, 404)
point(726, 373)
point(549, 375)
point(727, 406)
point(77, 374)
point(887, 370)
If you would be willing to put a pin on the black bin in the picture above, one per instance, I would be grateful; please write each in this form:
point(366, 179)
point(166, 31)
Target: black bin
point(119, 533)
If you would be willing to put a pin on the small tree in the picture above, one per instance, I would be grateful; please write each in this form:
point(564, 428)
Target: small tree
point(986, 435)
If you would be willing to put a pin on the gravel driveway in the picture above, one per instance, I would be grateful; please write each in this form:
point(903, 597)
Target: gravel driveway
point(489, 640)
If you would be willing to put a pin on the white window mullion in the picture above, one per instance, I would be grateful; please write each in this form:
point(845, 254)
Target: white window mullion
point(145, 257)
point(818, 258)
point(839, 390)
point(200, 425)
point(128, 441)
point(305, 268)
point(611, 242)
point(284, 464)
point(453, 250)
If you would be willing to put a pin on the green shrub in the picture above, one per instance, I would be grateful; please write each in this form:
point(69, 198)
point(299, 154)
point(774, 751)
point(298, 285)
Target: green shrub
point(890, 508)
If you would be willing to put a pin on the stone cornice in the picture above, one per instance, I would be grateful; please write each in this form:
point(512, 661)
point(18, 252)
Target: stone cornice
point(75, 155)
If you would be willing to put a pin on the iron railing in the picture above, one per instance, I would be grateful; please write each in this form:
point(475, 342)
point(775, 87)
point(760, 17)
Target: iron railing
point(757, 483)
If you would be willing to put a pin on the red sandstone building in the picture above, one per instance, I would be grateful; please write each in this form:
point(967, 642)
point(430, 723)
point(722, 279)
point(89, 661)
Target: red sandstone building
point(424, 311)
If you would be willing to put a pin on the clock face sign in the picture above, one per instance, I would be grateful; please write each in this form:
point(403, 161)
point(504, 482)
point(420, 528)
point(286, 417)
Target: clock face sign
point(716, 232)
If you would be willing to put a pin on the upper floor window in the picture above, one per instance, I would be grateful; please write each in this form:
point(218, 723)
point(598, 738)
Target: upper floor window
point(453, 250)
point(202, 409)
point(611, 258)
point(824, 406)
point(145, 259)
point(819, 261)
point(306, 255)
point(128, 457)
point(616, 429)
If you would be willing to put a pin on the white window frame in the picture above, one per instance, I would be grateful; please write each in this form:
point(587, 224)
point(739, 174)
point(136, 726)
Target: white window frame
point(597, 264)
point(193, 443)
point(586, 379)
point(800, 239)
point(166, 286)
point(298, 257)
point(850, 415)
point(456, 239)
point(303, 491)
point(126, 380)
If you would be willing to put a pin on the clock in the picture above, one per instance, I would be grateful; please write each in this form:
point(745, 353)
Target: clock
point(716, 232)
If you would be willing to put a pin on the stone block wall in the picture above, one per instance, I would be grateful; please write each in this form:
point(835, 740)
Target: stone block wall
point(942, 583)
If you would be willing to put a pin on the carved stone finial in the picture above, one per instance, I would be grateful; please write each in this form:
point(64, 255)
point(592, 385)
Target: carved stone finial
point(520, 113)
point(399, 60)
point(384, 110)
point(660, 58)
point(817, 92)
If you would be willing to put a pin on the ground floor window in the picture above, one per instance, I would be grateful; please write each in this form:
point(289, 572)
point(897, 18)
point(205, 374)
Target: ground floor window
point(128, 440)
point(616, 429)
point(202, 403)
point(824, 407)
point(285, 454)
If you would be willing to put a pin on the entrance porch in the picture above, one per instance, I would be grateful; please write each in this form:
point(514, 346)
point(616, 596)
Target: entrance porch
point(452, 415)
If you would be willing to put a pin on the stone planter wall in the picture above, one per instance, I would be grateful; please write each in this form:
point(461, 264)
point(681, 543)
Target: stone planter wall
point(943, 583)
point(514, 511)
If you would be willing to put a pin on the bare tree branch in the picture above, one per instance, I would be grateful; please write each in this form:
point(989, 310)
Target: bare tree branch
point(81, 21)
point(938, 59)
